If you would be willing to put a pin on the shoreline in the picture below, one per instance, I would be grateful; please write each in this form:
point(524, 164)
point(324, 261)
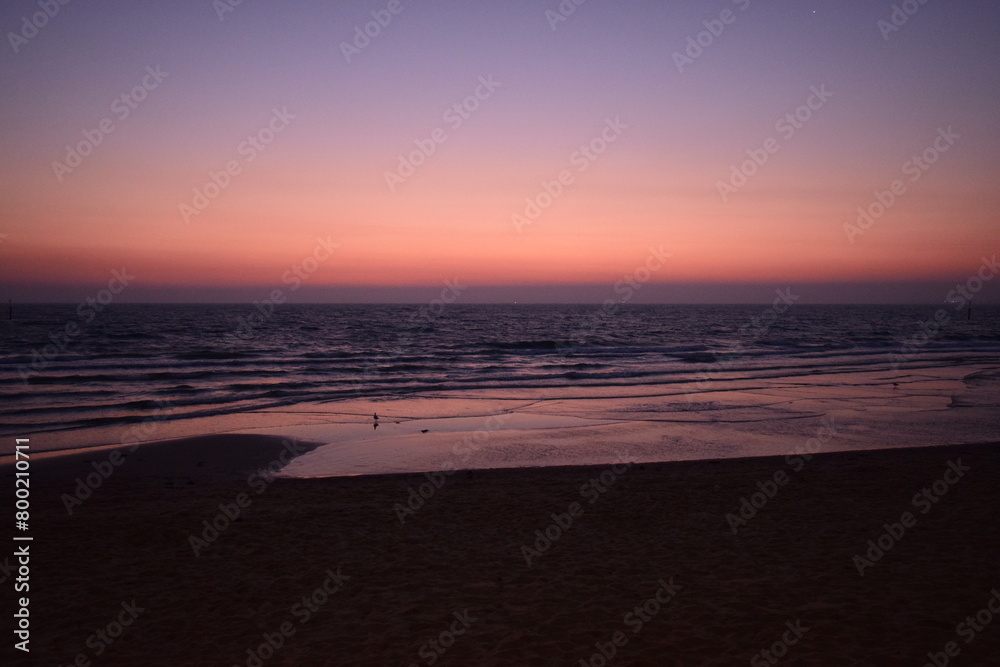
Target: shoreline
point(714, 413)
point(234, 454)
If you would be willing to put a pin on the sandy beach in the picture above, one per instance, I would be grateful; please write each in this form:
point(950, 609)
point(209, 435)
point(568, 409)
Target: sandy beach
point(190, 553)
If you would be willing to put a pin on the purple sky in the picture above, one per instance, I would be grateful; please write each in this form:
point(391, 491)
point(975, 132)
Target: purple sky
point(332, 167)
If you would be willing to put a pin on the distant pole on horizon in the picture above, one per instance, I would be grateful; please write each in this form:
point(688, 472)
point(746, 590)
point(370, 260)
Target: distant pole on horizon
point(10, 309)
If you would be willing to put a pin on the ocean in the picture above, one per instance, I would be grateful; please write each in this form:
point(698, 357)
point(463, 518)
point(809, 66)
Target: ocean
point(68, 369)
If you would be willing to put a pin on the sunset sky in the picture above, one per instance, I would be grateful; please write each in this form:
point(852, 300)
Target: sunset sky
point(267, 90)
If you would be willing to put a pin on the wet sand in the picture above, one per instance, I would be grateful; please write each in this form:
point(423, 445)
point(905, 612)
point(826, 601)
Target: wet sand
point(409, 569)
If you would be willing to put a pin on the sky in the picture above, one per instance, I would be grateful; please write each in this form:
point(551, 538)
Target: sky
point(529, 149)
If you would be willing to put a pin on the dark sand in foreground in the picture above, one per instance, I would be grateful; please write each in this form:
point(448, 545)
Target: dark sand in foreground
point(461, 552)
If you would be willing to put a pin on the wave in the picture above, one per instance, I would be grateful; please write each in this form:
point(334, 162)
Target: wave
point(214, 354)
point(142, 357)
